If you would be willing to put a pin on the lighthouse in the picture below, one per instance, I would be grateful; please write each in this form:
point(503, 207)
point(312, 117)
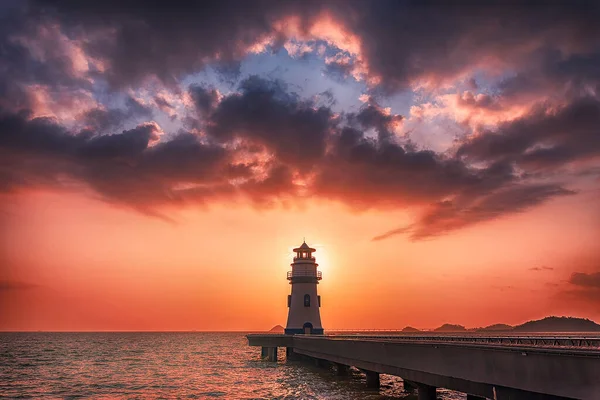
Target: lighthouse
point(304, 302)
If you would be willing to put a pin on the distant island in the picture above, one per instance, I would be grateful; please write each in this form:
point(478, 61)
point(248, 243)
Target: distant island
point(410, 329)
point(495, 328)
point(558, 324)
point(450, 328)
point(548, 324)
point(277, 329)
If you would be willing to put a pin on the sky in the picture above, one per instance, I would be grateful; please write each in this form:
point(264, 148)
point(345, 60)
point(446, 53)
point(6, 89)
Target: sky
point(160, 161)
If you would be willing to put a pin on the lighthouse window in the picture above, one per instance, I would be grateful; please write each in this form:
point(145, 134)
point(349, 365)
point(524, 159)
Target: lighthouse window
point(306, 300)
point(289, 300)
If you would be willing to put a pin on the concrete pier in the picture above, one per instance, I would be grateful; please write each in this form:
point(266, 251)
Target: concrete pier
point(269, 353)
point(426, 392)
point(409, 386)
point(341, 369)
point(473, 397)
point(501, 369)
point(372, 379)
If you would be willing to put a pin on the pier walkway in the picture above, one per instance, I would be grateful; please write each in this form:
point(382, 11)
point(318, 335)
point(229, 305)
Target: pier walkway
point(483, 366)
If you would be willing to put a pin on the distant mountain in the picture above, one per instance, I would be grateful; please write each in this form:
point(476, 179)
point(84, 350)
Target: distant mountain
point(495, 328)
point(410, 329)
point(558, 324)
point(277, 329)
point(450, 328)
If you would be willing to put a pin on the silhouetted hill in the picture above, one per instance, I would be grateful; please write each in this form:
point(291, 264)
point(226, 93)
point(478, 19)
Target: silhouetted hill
point(558, 324)
point(410, 329)
point(495, 328)
point(450, 328)
point(277, 329)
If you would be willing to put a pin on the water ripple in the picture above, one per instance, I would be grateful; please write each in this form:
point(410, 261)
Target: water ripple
point(169, 365)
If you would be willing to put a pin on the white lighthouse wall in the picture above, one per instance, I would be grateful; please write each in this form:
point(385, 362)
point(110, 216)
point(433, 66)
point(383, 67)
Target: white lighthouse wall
point(298, 315)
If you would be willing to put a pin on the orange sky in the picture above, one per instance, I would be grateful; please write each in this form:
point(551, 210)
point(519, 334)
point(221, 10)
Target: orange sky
point(157, 166)
point(87, 265)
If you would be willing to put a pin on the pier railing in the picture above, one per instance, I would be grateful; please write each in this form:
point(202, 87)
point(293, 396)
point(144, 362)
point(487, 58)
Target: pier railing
point(538, 341)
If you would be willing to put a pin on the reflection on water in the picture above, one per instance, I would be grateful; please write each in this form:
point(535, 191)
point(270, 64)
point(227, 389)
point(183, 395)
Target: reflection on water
point(169, 365)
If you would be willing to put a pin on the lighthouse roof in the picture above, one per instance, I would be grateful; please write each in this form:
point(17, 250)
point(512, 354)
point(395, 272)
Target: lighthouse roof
point(304, 247)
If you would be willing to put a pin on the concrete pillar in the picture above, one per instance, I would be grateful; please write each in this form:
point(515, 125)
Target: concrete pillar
point(426, 392)
point(264, 352)
point(272, 353)
point(372, 379)
point(473, 397)
point(341, 369)
point(290, 355)
point(321, 363)
point(409, 386)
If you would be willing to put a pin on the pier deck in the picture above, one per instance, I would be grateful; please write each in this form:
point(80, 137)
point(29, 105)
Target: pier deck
point(483, 366)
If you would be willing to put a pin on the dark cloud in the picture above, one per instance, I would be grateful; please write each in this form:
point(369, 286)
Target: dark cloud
point(584, 287)
point(542, 268)
point(586, 280)
point(403, 42)
point(366, 172)
point(163, 104)
point(372, 115)
point(265, 112)
point(261, 139)
point(166, 40)
point(447, 216)
point(122, 167)
point(204, 99)
point(6, 285)
point(104, 120)
point(545, 138)
point(399, 42)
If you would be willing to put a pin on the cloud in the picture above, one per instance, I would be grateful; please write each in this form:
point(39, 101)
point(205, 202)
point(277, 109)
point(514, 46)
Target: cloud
point(100, 119)
point(6, 285)
point(542, 268)
point(268, 145)
point(264, 112)
point(166, 40)
point(447, 216)
point(583, 287)
point(591, 280)
point(546, 138)
point(262, 142)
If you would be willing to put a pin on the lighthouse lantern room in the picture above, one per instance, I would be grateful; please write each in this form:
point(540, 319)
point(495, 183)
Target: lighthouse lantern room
point(304, 302)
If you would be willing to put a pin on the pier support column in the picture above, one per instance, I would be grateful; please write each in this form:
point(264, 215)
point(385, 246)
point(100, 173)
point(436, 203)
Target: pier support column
point(409, 386)
point(341, 369)
point(426, 392)
point(372, 379)
point(272, 353)
point(290, 355)
point(321, 363)
point(473, 397)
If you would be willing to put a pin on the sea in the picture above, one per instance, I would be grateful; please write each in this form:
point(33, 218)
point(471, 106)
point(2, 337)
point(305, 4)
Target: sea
point(170, 365)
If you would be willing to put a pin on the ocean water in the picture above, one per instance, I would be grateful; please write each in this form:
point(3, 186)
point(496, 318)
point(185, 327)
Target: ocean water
point(169, 365)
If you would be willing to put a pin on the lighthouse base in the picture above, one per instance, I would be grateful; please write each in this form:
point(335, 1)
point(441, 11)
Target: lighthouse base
point(300, 331)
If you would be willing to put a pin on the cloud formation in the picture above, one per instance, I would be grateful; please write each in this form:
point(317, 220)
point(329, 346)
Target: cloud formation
point(86, 85)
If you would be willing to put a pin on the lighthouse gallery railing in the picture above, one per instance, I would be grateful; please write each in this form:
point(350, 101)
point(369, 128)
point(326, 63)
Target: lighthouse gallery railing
point(293, 274)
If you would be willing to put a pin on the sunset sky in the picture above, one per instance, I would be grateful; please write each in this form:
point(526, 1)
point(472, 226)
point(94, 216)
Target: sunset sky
point(158, 163)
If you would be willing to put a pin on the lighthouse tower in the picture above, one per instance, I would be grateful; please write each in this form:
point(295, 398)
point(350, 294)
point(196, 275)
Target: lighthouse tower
point(304, 303)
